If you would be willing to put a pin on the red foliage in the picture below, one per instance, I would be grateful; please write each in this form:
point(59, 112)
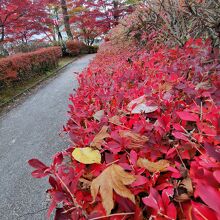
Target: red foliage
point(94, 18)
point(20, 20)
point(24, 65)
point(75, 47)
point(181, 85)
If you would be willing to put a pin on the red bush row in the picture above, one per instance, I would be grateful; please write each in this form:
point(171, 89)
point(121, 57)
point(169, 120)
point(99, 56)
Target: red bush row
point(156, 115)
point(24, 65)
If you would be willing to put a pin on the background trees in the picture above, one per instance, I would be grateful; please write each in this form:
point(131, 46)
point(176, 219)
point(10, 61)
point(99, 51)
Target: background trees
point(22, 17)
point(20, 20)
point(57, 20)
point(86, 20)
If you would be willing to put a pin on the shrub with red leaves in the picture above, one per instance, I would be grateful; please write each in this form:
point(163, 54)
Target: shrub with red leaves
point(24, 65)
point(75, 47)
point(144, 129)
point(156, 115)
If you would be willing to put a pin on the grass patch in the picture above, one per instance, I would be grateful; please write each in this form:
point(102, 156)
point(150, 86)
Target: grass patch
point(7, 94)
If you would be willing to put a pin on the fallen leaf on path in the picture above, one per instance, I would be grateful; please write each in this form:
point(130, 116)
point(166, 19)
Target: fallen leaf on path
point(85, 184)
point(137, 140)
point(143, 108)
point(160, 165)
point(112, 178)
point(86, 155)
point(99, 138)
point(137, 101)
point(115, 120)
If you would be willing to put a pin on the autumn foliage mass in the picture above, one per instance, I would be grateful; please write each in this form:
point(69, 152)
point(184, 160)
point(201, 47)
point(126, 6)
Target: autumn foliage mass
point(22, 66)
point(144, 130)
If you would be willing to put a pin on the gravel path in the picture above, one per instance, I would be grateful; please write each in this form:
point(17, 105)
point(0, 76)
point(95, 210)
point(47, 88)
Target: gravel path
point(32, 130)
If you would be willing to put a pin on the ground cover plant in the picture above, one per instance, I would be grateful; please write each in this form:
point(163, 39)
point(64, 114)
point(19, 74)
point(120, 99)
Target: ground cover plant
point(144, 131)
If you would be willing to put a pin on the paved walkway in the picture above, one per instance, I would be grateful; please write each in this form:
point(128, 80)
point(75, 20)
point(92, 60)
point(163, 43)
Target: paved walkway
point(31, 130)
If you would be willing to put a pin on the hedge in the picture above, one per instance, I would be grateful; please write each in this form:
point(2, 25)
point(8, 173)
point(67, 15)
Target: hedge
point(144, 137)
point(23, 66)
point(143, 126)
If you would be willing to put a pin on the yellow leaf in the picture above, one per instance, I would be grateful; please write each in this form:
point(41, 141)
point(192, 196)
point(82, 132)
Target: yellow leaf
point(86, 155)
point(112, 178)
point(99, 138)
point(160, 165)
point(136, 140)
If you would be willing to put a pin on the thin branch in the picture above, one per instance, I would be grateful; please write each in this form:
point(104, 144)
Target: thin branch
point(201, 112)
point(68, 190)
point(180, 158)
point(76, 204)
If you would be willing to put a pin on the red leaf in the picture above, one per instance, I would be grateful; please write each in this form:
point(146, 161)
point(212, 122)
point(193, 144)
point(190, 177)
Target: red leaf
point(35, 163)
point(216, 174)
point(39, 173)
point(52, 182)
point(175, 172)
point(138, 213)
point(209, 195)
point(179, 135)
point(152, 199)
point(58, 158)
point(140, 180)
point(133, 157)
point(57, 197)
point(187, 116)
point(212, 151)
point(171, 211)
point(200, 211)
point(51, 208)
point(61, 214)
point(178, 127)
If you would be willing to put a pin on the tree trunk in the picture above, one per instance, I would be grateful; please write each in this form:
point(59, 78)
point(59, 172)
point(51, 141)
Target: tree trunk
point(54, 33)
point(3, 51)
point(2, 34)
point(66, 19)
point(57, 28)
point(116, 11)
